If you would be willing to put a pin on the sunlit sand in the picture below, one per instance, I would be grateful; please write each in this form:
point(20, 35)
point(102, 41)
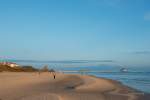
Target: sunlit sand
point(32, 86)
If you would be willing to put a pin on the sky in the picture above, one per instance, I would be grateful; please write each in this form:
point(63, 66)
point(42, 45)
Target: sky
point(117, 30)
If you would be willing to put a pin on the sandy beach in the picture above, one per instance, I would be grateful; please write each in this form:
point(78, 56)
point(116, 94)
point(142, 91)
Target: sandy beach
point(32, 86)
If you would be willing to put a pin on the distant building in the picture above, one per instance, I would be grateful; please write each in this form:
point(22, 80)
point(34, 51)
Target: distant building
point(10, 64)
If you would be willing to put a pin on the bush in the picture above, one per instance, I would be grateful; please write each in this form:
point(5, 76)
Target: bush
point(17, 69)
point(29, 69)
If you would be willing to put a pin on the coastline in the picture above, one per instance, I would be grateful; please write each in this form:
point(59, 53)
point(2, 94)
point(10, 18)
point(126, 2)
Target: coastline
point(32, 86)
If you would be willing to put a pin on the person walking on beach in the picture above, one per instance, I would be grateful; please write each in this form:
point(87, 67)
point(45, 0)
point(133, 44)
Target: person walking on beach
point(52, 71)
point(54, 75)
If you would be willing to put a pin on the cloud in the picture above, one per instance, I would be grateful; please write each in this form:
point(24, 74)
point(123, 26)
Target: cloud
point(147, 16)
point(141, 52)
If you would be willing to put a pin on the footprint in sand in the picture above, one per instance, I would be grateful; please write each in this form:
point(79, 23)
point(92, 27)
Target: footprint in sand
point(42, 97)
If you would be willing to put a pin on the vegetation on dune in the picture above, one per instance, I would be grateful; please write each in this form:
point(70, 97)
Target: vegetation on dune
point(17, 69)
point(28, 68)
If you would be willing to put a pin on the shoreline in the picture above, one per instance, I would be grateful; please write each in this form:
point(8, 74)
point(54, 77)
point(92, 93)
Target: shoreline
point(32, 86)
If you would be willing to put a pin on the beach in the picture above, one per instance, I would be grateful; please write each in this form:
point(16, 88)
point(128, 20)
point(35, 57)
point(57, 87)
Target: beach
point(42, 86)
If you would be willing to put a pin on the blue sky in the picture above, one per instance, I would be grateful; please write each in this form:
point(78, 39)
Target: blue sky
point(116, 30)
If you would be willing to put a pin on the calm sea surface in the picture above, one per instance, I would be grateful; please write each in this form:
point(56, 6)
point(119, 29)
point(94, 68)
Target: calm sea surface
point(138, 78)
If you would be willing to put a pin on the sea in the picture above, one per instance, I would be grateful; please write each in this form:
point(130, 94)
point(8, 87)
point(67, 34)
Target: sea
point(135, 77)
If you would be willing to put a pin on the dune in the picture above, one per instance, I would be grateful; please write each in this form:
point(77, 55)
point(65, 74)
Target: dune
point(32, 86)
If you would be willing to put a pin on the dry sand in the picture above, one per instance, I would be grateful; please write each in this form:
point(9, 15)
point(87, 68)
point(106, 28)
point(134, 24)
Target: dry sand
point(32, 86)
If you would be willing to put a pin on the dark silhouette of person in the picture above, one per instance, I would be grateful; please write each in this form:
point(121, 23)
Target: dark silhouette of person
point(52, 71)
point(54, 74)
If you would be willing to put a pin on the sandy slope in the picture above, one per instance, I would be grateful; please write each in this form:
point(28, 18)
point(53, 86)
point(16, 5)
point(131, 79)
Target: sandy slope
point(32, 86)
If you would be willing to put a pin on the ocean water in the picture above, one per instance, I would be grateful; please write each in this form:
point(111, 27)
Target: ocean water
point(137, 80)
point(136, 77)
